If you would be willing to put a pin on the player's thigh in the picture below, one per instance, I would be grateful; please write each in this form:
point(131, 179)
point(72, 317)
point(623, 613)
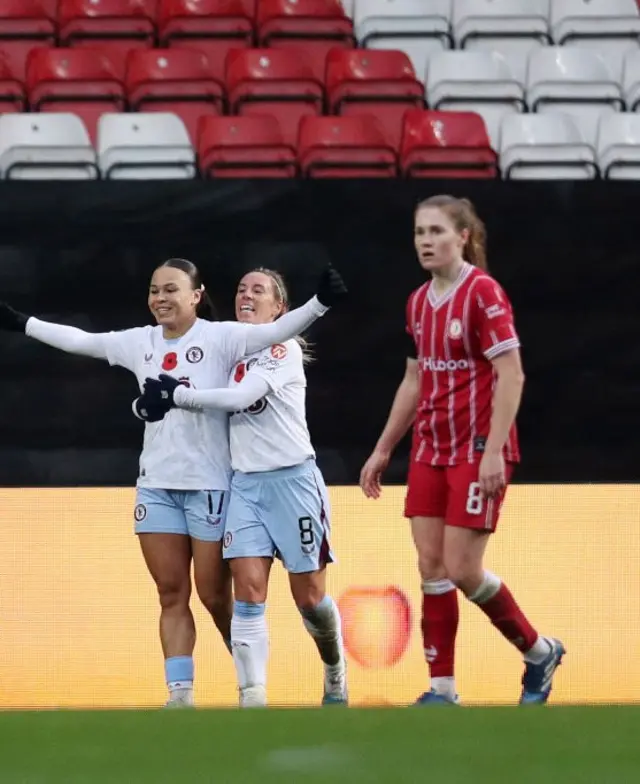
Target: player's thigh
point(295, 509)
point(205, 512)
point(425, 505)
point(464, 550)
point(245, 535)
point(308, 589)
point(211, 573)
point(466, 506)
point(168, 559)
point(251, 578)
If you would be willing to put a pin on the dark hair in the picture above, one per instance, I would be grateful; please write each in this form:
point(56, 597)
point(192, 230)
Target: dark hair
point(463, 215)
point(205, 308)
point(281, 294)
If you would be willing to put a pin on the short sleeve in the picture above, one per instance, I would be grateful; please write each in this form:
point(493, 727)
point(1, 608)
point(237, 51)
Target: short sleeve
point(278, 365)
point(493, 319)
point(124, 347)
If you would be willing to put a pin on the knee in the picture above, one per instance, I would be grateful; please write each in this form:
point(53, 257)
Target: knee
point(174, 591)
point(464, 572)
point(216, 602)
point(431, 565)
point(249, 587)
point(307, 597)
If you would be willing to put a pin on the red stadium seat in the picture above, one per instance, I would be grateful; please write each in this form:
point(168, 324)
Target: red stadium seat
point(116, 26)
point(310, 26)
point(445, 145)
point(173, 80)
point(12, 98)
point(372, 81)
point(244, 147)
point(25, 25)
point(276, 82)
point(210, 26)
point(344, 147)
point(82, 81)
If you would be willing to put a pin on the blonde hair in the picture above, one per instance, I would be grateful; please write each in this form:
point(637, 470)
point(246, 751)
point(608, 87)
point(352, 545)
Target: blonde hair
point(281, 294)
point(463, 215)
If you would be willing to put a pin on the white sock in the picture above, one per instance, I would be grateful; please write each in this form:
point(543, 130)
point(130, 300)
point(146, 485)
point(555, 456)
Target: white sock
point(324, 624)
point(250, 643)
point(539, 651)
point(445, 686)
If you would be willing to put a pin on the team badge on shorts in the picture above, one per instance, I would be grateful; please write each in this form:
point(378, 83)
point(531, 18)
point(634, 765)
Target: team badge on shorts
point(140, 512)
point(228, 538)
point(455, 328)
point(194, 354)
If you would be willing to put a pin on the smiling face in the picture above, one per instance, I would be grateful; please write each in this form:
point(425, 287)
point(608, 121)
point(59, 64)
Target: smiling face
point(258, 299)
point(438, 242)
point(172, 299)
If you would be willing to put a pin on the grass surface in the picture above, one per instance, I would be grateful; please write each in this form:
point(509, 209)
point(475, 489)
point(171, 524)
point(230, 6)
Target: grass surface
point(443, 745)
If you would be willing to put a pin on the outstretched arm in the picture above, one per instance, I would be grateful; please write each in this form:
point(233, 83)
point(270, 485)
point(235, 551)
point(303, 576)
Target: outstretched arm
point(69, 339)
point(260, 336)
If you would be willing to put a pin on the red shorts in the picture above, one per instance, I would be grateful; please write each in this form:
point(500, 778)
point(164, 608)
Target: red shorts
point(452, 492)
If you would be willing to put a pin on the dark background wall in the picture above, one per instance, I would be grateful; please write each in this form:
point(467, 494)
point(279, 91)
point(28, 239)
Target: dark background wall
point(82, 254)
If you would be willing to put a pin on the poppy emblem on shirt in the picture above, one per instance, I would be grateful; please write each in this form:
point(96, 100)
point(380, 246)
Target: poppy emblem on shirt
point(194, 354)
point(455, 328)
point(170, 361)
point(239, 374)
point(278, 351)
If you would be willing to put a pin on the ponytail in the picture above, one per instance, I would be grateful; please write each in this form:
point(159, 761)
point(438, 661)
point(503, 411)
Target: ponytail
point(205, 308)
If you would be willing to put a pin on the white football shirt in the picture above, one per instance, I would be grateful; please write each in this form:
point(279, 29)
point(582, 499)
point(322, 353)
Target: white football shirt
point(185, 450)
point(273, 432)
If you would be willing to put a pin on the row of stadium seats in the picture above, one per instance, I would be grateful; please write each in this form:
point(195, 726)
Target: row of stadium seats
point(434, 144)
point(269, 81)
point(511, 27)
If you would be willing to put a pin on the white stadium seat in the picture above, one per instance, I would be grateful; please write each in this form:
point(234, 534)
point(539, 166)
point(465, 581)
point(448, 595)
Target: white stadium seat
point(511, 27)
point(575, 81)
point(349, 6)
point(479, 82)
point(415, 27)
point(619, 146)
point(631, 80)
point(144, 146)
point(545, 147)
point(46, 147)
point(611, 27)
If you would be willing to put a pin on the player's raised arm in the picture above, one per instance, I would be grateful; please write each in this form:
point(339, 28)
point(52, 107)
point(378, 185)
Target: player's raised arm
point(331, 289)
point(69, 339)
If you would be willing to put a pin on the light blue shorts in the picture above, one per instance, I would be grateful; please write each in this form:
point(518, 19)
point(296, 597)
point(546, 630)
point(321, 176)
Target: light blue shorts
point(199, 514)
point(283, 514)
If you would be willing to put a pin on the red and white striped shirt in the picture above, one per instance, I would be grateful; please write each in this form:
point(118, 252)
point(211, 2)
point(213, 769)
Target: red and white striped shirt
point(456, 336)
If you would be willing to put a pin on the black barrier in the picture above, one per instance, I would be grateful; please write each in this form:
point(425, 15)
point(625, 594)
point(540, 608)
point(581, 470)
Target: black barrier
point(82, 254)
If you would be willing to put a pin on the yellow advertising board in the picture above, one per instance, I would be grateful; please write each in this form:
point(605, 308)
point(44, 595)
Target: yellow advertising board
point(79, 618)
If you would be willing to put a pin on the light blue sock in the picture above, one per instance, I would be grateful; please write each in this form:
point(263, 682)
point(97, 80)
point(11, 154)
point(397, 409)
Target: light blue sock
point(178, 672)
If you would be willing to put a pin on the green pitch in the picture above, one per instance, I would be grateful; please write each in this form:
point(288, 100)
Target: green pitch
point(440, 745)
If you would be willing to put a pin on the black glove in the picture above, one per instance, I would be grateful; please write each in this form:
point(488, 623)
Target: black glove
point(149, 412)
point(159, 391)
point(331, 288)
point(11, 319)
